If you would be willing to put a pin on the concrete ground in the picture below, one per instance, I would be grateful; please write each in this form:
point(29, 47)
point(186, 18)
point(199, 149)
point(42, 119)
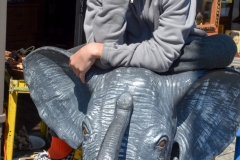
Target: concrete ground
point(228, 153)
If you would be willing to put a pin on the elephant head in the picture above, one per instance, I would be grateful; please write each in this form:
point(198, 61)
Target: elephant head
point(133, 113)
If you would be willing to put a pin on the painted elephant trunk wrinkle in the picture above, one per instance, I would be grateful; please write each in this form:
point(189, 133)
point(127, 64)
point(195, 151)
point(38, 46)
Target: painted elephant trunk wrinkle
point(112, 142)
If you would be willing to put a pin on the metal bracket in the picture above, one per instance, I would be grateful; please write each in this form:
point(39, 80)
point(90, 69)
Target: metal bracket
point(18, 85)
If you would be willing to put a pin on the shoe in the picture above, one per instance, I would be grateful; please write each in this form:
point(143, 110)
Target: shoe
point(236, 20)
point(42, 156)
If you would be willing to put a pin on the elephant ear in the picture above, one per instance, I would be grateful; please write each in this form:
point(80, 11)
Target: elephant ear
point(209, 115)
point(59, 95)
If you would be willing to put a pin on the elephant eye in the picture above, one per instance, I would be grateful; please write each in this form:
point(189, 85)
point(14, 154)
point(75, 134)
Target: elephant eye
point(162, 142)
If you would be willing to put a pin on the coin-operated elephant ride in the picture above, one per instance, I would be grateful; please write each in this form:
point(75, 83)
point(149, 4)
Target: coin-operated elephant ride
point(133, 113)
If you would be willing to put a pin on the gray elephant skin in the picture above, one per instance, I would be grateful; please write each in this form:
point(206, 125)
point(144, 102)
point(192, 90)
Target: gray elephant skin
point(133, 113)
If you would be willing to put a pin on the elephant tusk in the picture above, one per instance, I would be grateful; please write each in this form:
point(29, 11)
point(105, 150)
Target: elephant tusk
point(112, 142)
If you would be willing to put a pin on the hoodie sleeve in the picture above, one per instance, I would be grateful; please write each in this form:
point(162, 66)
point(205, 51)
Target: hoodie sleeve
point(105, 20)
point(158, 53)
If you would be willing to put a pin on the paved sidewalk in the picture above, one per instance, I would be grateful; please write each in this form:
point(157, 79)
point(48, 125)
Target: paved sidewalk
point(228, 153)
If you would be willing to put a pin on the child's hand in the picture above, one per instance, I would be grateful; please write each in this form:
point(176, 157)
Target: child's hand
point(84, 58)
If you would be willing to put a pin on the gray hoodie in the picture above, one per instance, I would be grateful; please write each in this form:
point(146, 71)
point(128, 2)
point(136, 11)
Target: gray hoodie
point(141, 33)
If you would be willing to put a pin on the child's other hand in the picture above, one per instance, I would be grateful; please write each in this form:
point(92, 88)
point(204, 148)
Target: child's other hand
point(84, 58)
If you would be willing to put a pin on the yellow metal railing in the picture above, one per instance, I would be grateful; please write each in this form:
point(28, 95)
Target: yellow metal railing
point(16, 87)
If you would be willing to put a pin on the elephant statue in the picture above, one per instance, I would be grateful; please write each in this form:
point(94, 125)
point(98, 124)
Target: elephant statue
point(133, 113)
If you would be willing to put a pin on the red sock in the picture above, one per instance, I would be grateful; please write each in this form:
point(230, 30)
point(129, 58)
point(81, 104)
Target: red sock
point(59, 149)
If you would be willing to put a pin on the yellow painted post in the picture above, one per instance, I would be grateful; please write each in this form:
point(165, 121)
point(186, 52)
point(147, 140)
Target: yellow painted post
point(11, 116)
point(43, 129)
point(15, 87)
point(78, 154)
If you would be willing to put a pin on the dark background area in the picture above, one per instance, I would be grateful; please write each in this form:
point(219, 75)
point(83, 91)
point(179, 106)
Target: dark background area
point(37, 23)
point(40, 23)
point(59, 20)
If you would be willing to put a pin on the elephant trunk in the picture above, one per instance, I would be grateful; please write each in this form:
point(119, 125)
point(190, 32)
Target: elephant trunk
point(112, 142)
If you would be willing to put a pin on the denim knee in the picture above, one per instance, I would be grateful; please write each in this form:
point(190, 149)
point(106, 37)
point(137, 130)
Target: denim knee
point(227, 44)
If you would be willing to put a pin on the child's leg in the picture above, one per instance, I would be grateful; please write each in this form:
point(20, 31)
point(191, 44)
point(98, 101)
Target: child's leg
point(59, 149)
point(209, 52)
